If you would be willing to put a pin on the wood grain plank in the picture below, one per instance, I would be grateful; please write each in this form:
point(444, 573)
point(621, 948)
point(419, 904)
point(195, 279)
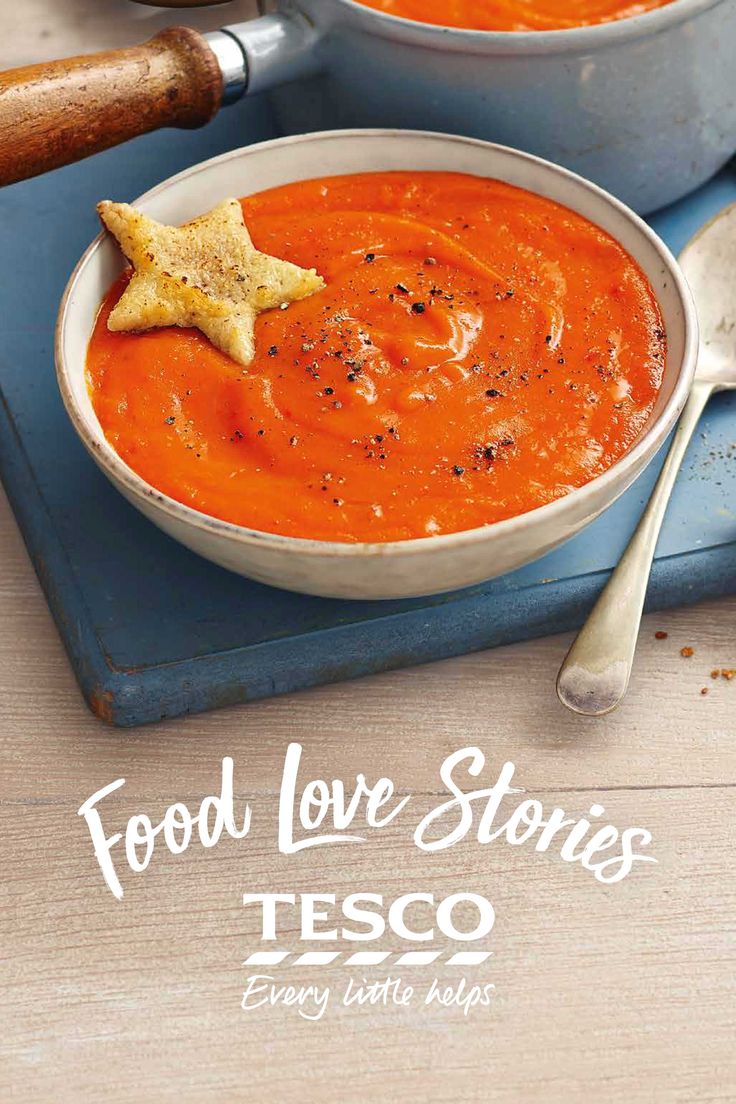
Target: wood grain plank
point(620, 992)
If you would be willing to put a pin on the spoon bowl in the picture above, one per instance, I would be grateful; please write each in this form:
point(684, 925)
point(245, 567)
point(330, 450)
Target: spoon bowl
point(709, 264)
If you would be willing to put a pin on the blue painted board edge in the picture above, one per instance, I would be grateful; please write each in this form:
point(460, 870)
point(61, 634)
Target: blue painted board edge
point(399, 640)
point(465, 624)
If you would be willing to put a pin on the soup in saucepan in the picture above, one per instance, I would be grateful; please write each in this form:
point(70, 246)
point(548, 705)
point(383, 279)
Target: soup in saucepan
point(515, 15)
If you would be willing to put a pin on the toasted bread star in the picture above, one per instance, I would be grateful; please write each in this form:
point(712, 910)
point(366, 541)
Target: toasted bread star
point(206, 273)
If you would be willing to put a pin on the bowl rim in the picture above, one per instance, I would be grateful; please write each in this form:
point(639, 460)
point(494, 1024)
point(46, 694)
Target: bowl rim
point(563, 40)
point(649, 441)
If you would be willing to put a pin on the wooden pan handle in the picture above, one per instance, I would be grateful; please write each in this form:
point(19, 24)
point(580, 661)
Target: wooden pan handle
point(61, 111)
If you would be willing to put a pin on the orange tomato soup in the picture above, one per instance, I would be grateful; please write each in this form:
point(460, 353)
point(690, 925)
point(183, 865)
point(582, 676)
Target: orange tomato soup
point(515, 15)
point(478, 351)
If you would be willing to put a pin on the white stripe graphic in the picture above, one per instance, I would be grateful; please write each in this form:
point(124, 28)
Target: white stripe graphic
point(316, 958)
point(417, 958)
point(266, 958)
point(468, 958)
point(367, 958)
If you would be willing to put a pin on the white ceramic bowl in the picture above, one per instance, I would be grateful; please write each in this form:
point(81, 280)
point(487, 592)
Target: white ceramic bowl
point(399, 568)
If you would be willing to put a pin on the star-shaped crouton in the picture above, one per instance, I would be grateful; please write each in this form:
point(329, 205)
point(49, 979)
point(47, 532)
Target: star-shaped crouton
point(206, 273)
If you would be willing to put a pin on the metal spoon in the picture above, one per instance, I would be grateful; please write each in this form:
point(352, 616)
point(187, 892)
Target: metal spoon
point(595, 674)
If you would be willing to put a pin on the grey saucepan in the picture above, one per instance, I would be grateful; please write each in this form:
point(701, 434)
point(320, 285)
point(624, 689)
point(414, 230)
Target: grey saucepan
point(645, 106)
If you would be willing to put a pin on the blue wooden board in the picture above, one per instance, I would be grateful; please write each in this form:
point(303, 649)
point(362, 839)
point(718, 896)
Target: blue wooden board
point(152, 630)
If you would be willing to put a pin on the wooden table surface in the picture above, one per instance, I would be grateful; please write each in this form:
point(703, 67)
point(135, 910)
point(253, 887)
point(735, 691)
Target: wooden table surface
point(621, 993)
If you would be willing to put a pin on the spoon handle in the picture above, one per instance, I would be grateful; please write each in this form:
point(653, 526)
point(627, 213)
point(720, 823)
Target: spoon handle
point(595, 673)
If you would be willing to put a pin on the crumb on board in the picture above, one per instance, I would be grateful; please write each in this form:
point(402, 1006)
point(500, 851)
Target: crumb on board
point(727, 673)
point(687, 651)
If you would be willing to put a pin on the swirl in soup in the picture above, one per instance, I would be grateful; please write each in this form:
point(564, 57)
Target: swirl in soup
point(478, 351)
